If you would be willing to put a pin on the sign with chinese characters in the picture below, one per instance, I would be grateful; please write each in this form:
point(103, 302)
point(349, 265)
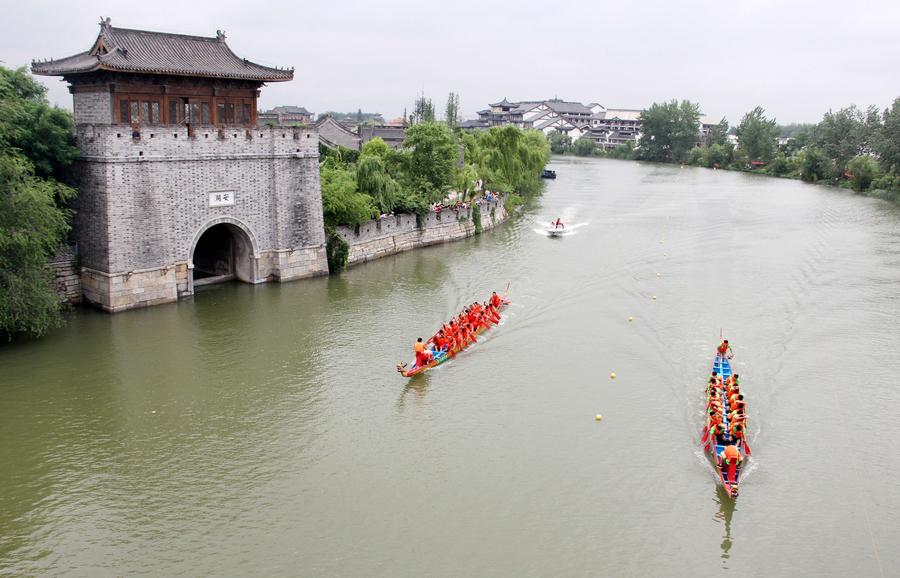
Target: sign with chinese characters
point(221, 199)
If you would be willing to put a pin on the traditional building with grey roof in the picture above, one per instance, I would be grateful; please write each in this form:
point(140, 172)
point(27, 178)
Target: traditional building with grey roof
point(177, 185)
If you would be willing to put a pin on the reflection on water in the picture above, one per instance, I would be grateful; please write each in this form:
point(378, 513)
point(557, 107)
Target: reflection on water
point(727, 506)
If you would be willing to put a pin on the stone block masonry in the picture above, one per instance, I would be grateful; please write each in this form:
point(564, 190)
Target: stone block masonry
point(146, 198)
point(396, 233)
point(66, 277)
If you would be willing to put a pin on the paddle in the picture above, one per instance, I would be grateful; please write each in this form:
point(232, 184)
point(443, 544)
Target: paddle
point(747, 449)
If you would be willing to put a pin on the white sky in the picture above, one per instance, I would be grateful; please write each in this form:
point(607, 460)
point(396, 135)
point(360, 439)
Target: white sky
point(796, 58)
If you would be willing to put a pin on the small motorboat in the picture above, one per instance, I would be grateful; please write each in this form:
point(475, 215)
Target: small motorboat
point(548, 174)
point(555, 231)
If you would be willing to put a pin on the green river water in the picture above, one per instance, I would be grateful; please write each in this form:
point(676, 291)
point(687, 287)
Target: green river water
point(262, 430)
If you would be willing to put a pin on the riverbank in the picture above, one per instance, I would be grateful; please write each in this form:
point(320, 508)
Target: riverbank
point(393, 234)
point(890, 196)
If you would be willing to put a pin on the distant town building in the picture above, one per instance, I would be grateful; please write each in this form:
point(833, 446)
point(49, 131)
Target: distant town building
point(334, 134)
point(177, 186)
point(285, 115)
point(571, 118)
point(616, 126)
point(393, 136)
point(607, 127)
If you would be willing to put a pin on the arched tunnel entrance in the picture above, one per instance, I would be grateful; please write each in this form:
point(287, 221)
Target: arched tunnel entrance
point(223, 253)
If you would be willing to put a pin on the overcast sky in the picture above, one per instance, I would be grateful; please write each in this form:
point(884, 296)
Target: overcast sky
point(795, 58)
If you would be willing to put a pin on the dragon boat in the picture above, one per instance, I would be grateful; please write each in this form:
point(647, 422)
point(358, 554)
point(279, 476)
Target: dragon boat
point(443, 356)
point(728, 471)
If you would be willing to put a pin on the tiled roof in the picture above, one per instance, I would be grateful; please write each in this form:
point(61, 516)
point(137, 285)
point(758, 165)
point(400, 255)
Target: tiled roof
point(504, 103)
point(623, 114)
point(290, 110)
point(141, 51)
point(564, 107)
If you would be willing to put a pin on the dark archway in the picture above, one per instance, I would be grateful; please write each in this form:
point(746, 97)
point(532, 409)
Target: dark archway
point(222, 253)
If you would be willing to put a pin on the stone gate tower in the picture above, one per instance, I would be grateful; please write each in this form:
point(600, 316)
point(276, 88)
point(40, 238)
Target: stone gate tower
point(177, 186)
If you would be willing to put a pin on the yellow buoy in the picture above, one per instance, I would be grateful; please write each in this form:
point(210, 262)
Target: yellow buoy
point(631, 319)
point(665, 254)
point(598, 417)
point(654, 298)
point(612, 375)
point(657, 274)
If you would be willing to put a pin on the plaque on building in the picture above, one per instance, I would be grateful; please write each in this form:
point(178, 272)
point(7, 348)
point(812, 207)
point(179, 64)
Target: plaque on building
point(221, 199)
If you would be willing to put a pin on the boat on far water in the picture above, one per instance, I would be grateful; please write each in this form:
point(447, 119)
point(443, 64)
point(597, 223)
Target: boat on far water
point(548, 174)
point(555, 231)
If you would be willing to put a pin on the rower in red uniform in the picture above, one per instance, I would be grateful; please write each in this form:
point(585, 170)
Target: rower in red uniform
point(723, 349)
point(423, 356)
point(495, 300)
point(558, 224)
point(730, 461)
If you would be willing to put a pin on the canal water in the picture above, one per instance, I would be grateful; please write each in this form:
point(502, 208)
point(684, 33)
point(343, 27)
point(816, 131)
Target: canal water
point(263, 430)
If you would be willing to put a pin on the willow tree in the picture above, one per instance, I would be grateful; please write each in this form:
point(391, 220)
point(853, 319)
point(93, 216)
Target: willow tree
point(373, 179)
point(511, 159)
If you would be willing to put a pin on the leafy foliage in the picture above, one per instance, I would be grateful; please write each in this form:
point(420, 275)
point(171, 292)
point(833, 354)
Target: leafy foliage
point(560, 142)
point(342, 203)
point(584, 147)
point(814, 164)
point(757, 135)
point(718, 135)
point(431, 155)
point(36, 145)
point(887, 141)
point(511, 159)
point(670, 130)
point(451, 113)
point(863, 169)
point(843, 135)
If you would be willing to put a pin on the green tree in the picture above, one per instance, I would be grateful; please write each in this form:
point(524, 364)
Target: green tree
point(814, 164)
point(887, 144)
point(624, 151)
point(864, 170)
point(451, 113)
point(32, 227)
point(584, 146)
point(511, 159)
point(781, 165)
point(843, 135)
point(718, 155)
point(757, 135)
point(342, 203)
point(718, 134)
point(431, 154)
point(36, 144)
point(560, 142)
point(373, 179)
point(423, 110)
point(669, 130)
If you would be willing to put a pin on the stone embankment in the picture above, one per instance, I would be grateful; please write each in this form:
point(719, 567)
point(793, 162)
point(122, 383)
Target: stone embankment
point(396, 233)
point(66, 276)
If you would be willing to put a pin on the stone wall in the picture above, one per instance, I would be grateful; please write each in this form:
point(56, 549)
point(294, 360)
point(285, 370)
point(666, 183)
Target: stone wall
point(66, 277)
point(93, 107)
point(144, 201)
point(397, 233)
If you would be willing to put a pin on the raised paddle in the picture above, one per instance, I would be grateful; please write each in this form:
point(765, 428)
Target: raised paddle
point(747, 449)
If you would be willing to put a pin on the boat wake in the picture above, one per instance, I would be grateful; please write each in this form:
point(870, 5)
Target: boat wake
point(547, 230)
